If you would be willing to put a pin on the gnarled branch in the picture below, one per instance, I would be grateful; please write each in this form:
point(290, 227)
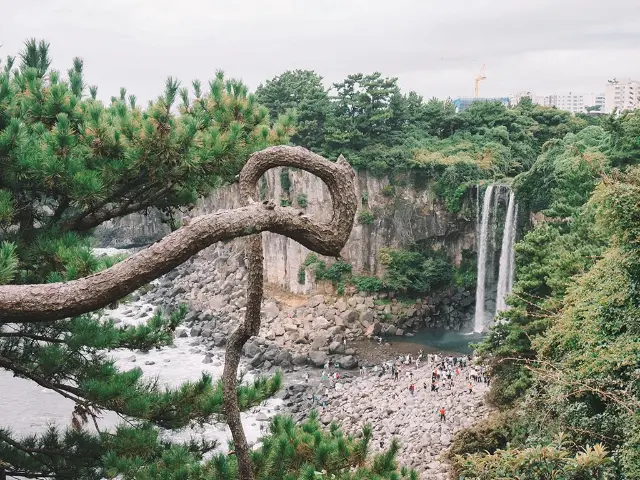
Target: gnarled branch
point(47, 302)
point(342, 193)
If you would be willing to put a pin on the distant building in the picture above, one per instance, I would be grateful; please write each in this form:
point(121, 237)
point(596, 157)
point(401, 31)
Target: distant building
point(515, 98)
point(621, 94)
point(463, 103)
point(569, 101)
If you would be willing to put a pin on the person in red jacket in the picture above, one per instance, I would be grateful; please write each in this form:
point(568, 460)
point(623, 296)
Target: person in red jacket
point(443, 416)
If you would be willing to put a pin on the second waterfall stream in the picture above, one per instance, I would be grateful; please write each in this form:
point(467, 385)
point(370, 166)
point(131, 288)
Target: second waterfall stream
point(491, 293)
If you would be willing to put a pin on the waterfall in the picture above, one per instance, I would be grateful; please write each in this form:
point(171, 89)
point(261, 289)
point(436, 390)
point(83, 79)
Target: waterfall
point(483, 239)
point(507, 264)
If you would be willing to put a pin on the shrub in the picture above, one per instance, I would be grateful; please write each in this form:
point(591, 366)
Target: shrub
point(302, 200)
point(336, 272)
point(365, 217)
point(415, 272)
point(368, 284)
point(285, 181)
point(389, 191)
point(285, 202)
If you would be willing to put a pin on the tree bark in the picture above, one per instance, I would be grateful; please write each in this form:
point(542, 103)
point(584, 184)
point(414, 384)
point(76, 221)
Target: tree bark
point(344, 205)
point(48, 302)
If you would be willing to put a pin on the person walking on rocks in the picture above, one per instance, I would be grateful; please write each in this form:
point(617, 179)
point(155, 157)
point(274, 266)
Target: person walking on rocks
point(306, 377)
point(412, 388)
point(470, 387)
point(443, 416)
point(395, 374)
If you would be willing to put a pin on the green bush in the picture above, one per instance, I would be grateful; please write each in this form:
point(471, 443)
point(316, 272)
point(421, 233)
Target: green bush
point(454, 182)
point(388, 191)
point(339, 271)
point(415, 272)
point(336, 272)
point(285, 202)
point(365, 217)
point(302, 200)
point(285, 181)
point(368, 284)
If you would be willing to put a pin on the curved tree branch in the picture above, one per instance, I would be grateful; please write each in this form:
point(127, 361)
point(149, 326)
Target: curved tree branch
point(47, 302)
point(342, 193)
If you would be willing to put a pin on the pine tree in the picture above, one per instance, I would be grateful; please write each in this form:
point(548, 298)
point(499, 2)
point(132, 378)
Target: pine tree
point(67, 164)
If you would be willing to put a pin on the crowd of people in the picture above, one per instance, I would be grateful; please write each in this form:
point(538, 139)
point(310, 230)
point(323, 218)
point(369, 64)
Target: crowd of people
point(446, 371)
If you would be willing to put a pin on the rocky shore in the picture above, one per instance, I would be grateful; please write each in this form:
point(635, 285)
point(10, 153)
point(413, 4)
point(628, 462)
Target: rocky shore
point(312, 328)
point(355, 400)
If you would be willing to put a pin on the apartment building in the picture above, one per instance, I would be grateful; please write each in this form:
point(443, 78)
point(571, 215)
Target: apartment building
point(622, 94)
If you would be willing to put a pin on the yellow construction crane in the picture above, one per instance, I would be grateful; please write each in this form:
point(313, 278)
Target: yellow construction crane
point(479, 77)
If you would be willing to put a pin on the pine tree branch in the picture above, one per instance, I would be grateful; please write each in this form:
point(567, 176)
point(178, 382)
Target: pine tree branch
point(48, 302)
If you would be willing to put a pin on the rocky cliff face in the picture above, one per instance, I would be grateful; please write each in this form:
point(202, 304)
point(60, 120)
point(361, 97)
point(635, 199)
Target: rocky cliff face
point(399, 216)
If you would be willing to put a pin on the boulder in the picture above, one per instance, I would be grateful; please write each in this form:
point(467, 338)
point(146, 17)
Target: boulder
point(219, 340)
point(256, 360)
point(350, 316)
point(206, 333)
point(195, 331)
point(317, 359)
point(181, 333)
point(336, 347)
point(315, 300)
point(299, 359)
point(251, 349)
point(366, 318)
point(283, 358)
point(207, 359)
point(341, 306)
point(348, 362)
point(319, 341)
point(321, 323)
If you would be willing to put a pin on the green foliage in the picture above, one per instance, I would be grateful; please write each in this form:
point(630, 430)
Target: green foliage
point(304, 92)
point(388, 191)
point(285, 181)
point(8, 262)
point(302, 201)
point(368, 284)
point(70, 163)
point(415, 272)
point(285, 202)
point(288, 452)
point(565, 360)
point(365, 217)
point(539, 463)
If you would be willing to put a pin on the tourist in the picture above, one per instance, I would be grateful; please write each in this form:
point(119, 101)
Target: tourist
point(443, 416)
point(364, 371)
point(306, 377)
point(396, 375)
point(470, 387)
point(412, 387)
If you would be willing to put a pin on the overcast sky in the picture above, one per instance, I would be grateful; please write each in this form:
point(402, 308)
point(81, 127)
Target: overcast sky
point(432, 46)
